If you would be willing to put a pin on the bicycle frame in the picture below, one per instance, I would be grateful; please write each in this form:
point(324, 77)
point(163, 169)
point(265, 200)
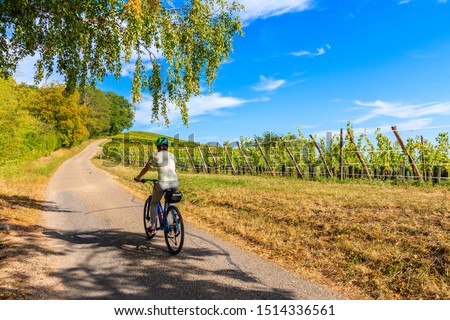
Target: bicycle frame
point(172, 225)
point(163, 216)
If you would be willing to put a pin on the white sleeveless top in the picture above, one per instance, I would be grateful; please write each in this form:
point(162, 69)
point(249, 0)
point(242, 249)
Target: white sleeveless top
point(165, 163)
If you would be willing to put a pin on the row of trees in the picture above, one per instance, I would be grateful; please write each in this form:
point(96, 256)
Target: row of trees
point(36, 121)
point(108, 112)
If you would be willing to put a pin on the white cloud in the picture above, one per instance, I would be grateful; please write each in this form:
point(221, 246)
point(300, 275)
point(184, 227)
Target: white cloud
point(207, 104)
point(409, 125)
point(128, 67)
point(229, 61)
point(25, 72)
point(200, 105)
point(364, 118)
point(301, 53)
point(414, 124)
point(127, 70)
point(319, 51)
point(402, 110)
point(268, 84)
point(408, 1)
point(26, 68)
point(268, 8)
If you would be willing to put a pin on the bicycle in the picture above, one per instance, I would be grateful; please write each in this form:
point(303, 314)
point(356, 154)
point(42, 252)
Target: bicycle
point(169, 219)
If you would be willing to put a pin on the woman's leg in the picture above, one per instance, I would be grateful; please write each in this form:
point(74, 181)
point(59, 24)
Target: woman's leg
point(158, 192)
point(156, 197)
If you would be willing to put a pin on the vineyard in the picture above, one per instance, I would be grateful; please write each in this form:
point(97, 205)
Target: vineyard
point(346, 155)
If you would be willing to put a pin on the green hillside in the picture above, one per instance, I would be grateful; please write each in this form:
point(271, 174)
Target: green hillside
point(132, 137)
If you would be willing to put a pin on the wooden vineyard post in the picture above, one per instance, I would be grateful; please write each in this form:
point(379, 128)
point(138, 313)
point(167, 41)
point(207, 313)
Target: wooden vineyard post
point(216, 164)
point(205, 167)
point(230, 160)
point(219, 157)
point(438, 174)
point(137, 163)
point(245, 158)
point(358, 154)
point(190, 158)
point(423, 157)
point(299, 171)
point(265, 158)
point(341, 154)
point(411, 160)
point(321, 156)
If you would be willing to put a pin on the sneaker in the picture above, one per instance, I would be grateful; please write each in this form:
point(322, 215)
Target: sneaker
point(151, 230)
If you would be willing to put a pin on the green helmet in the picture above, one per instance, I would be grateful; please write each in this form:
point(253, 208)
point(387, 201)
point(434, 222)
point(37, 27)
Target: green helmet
point(162, 142)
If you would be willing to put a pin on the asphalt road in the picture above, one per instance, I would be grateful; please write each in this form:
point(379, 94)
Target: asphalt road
point(98, 250)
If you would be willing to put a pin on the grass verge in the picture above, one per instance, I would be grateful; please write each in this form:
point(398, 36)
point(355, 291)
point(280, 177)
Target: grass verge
point(369, 241)
point(22, 187)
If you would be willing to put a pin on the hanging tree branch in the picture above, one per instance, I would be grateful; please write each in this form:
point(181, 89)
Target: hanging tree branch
point(85, 40)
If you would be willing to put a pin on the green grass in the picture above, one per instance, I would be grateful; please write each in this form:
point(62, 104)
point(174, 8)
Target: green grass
point(27, 180)
point(370, 241)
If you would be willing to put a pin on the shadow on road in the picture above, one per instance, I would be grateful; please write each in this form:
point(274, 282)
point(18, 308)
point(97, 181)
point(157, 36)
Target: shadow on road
point(27, 202)
point(115, 264)
point(145, 270)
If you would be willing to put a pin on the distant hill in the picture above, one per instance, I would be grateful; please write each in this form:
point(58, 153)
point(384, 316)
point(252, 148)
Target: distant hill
point(147, 137)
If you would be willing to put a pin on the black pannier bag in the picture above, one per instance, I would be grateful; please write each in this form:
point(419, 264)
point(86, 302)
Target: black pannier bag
point(173, 196)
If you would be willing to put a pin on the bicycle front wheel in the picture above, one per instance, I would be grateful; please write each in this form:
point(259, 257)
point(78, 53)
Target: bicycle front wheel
point(148, 218)
point(174, 233)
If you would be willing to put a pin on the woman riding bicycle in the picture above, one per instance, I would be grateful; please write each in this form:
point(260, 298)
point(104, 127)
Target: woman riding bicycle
point(165, 163)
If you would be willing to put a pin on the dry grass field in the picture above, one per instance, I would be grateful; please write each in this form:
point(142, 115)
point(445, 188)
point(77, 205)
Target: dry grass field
point(368, 240)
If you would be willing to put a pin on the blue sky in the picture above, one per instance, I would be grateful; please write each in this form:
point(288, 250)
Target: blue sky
point(319, 64)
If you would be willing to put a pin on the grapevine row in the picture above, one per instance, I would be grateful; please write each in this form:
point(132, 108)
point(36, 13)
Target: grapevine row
point(345, 155)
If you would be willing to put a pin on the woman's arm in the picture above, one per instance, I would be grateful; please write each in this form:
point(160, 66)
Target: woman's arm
point(143, 171)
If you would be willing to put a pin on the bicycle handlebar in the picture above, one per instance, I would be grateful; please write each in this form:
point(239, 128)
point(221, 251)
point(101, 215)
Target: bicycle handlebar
point(147, 180)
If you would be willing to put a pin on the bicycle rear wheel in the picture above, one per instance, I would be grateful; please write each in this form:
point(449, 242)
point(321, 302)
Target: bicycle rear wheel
point(174, 233)
point(148, 218)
